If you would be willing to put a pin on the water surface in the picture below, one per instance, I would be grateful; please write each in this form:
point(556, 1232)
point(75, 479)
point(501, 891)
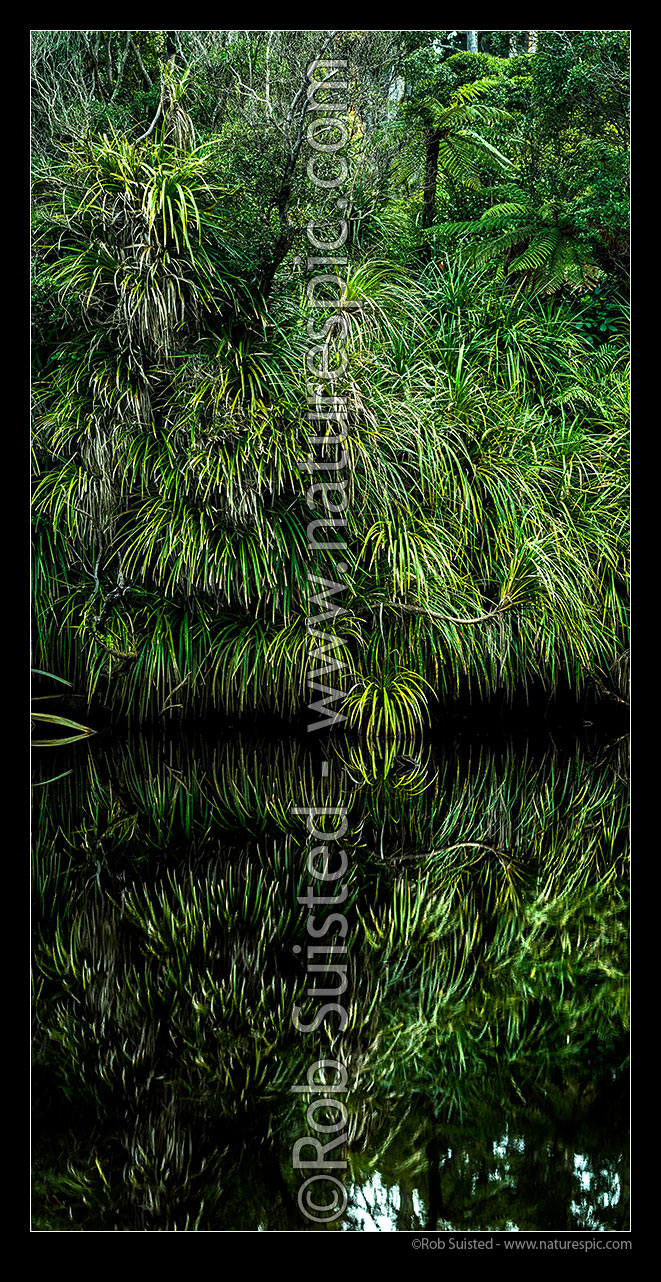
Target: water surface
point(485, 986)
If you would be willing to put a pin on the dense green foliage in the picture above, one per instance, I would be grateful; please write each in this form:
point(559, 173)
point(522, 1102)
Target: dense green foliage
point(478, 336)
point(488, 432)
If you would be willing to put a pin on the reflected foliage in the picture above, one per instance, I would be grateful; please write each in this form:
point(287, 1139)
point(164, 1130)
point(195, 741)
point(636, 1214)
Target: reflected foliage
point(486, 995)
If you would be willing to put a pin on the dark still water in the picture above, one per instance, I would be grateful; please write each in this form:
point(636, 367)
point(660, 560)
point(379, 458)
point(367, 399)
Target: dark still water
point(282, 989)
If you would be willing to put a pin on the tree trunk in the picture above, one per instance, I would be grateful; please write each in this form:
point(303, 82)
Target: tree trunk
point(532, 41)
point(404, 1216)
point(434, 1173)
point(429, 187)
point(272, 262)
point(513, 48)
point(471, 42)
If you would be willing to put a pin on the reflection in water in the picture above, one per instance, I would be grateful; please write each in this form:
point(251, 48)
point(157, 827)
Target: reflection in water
point(509, 1184)
point(487, 968)
point(373, 1208)
point(376, 1207)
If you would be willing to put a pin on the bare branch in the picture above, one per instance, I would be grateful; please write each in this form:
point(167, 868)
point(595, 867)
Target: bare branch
point(120, 73)
point(148, 80)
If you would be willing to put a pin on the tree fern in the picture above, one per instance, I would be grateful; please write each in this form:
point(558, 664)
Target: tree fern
point(538, 246)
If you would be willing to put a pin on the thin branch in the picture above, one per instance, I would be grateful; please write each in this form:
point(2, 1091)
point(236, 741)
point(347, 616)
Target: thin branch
point(109, 61)
point(169, 707)
point(449, 618)
point(93, 50)
point(158, 109)
point(148, 80)
point(120, 73)
point(610, 694)
point(267, 89)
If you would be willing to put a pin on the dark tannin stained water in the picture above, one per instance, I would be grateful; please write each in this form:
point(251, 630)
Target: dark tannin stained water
point(475, 1030)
